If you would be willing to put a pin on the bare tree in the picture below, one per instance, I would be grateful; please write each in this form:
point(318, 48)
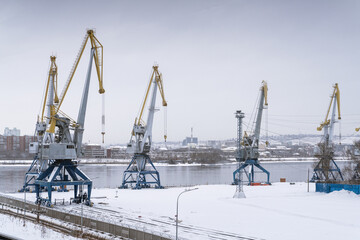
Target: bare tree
point(353, 169)
point(326, 170)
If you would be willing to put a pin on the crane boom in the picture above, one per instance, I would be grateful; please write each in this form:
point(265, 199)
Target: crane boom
point(263, 98)
point(97, 55)
point(52, 77)
point(336, 98)
point(98, 58)
point(49, 101)
point(159, 81)
point(328, 123)
point(141, 139)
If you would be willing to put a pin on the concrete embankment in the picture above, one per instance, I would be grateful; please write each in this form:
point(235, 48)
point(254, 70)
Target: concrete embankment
point(117, 230)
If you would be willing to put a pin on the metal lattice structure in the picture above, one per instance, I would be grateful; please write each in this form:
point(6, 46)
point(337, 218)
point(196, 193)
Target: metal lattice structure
point(239, 187)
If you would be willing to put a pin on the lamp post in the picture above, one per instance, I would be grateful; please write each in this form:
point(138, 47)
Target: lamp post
point(24, 205)
point(177, 208)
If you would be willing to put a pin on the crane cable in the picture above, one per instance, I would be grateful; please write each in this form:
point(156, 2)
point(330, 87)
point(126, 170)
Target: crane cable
point(103, 118)
point(267, 125)
point(165, 123)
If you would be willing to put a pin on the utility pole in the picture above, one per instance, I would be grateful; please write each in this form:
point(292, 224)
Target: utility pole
point(239, 188)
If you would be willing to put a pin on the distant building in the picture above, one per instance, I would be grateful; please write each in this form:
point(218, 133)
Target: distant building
point(16, 143)
point(190, 141)
point(214, 144)
point(94, 151)
point(116, 152)
point(11, 132)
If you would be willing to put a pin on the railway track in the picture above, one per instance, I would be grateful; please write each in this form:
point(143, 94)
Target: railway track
point(65, 228)
point(159, 224)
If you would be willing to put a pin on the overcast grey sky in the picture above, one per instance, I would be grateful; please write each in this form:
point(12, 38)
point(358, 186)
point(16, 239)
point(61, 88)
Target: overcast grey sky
point(213, 56)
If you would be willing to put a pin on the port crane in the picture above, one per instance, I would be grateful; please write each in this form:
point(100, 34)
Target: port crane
point(141, 165)
point(59, 136)
point(248, 146)
point(326, 167)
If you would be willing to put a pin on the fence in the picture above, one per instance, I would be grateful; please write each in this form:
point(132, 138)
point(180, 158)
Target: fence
point(111, 228)
point(330, 187)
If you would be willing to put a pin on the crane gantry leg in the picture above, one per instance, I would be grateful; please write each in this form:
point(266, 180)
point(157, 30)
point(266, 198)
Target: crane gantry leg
point(55, 175)
point(136, 173)
point(251, 163)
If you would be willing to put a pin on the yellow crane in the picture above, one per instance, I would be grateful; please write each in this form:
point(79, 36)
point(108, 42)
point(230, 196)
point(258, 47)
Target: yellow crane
point(58, 101)
point(60, 137)
point(327, 168)
point(141, 139)
point(335, 97)
point(159, 81)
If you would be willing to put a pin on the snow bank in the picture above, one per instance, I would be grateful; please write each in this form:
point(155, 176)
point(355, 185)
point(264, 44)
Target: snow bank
point(280, 211)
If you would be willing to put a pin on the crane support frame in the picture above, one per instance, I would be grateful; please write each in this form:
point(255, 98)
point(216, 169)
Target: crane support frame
point(55, 176)
point(136, 177)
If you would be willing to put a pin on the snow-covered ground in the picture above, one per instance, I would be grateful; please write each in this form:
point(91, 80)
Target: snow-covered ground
point(14, 227)
point(280, 211)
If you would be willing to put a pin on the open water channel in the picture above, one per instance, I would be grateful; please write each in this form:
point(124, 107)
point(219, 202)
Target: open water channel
point(110, 175)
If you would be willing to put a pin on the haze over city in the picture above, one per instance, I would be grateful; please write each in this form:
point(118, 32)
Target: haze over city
point(213, 56)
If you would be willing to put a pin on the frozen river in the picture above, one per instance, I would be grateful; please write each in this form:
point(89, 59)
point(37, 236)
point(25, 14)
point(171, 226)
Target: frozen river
point(12, 176)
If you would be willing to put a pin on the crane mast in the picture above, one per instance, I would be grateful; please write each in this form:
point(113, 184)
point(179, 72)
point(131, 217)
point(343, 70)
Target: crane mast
point(328, 124)
point(50, 98)
point(141, 139)
point(248, 148)
point(327, 168)
point(60, 137)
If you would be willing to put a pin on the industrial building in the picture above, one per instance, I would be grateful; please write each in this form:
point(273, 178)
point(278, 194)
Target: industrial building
point(190, 141)
point(94, 151)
